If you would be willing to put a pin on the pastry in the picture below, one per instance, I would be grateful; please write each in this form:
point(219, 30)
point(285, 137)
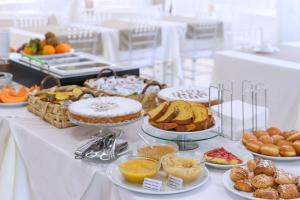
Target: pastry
point(277, 138)
point(266, 193)
point(287, 134)
point(244, 185)
point(262, 181)
point(158, 111)
point(104, 110)
point(248, 137)
point(165, 126)
point(287, 151)
point(251, 164)
point(257, 160)
point(288, 191)
point(297, 180)
point(221, 156)
point(269, 150)
point(266, 139)
point(170, 114)
point(186, 128)
point(184, 168)
point(185, 112)
point(283, 142)
point(296, 145)
point(200, 114)
point(260, 133)
point(253, 146)
point(294, 137)
point(283, 177)
point(273, 131)
point(265, 167)
point(238, 173)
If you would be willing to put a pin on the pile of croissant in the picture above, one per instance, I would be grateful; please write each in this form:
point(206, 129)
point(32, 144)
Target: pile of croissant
point(265, 181)
point(273, 142)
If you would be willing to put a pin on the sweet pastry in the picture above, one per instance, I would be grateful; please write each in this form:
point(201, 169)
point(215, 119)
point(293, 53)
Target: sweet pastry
point(259, 133)
point(283, 142)
point(257, 160)
point(238, 173)
point(158, 111)
point(262, 181)
point(248, 137)
point(185, 113)
point(181, 116)
point(157, 151)
point(288, 191)
point(254, 146)
point(296, 145)
point(283, 177)
point(269, 150)
point(244, 185)
point(273, 131)
point(170, 114)
point(287, 134)
point(104, 110)
point(266, 139)
point(287, 151)
point(265, 167)
point(251, 164)
point(294, 137)
point(222, 156)
point(184, 168)
point(297, 180)
point(277, 138)
point(266, 193)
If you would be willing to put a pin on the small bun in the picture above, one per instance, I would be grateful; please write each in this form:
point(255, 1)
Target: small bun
point(269, 150)
point(260, 133)
point(251, 165)
point(294, 137)
point(296, 145)
point(287, 151)
point(254, 146)
point(248, 137)
point(274, 131)
point(266, 139)
point(283, 142)
point(276, 138)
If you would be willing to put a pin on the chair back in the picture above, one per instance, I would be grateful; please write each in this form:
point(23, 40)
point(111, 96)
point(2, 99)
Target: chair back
point(204, 31)
point(30, 21)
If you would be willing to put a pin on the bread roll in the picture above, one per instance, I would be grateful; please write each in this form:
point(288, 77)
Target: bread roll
point(296, 145)
point(276, 138)
point(287, 151)
point(266, 139)
point(274, 131)
point(269, 150)
point(262, 181)
point(238, 173)
point(283, 142)
point(253, 146)
point(288, 191)
point(294, 137)
point(248, 137)
point(260, 133)
point(266, 193)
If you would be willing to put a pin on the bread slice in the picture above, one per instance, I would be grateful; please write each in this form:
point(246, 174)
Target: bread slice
point(158, 111)
point(200, 114)
point(170, 114)
point(167, 126)
point(185, 115)
point(186, 128)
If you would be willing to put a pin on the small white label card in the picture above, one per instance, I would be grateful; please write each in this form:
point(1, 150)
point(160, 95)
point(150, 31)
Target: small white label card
point(152, 184)
point(175, 182)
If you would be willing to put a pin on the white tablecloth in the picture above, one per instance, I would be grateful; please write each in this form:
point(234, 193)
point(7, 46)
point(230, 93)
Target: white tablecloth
point(280, 77)
point(38, 163)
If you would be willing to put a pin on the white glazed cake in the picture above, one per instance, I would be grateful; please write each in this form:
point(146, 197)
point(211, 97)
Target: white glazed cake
point(197, 95)
point(103, 110)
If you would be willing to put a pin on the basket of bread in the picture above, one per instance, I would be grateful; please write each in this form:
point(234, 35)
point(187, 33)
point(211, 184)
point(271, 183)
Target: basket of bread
point(52, 104)
point(134, 87)
point(181, 116)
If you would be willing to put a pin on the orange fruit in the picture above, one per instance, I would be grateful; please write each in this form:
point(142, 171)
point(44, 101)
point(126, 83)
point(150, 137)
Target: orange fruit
point(63, 48)
point(27, 50)
point(48, 50)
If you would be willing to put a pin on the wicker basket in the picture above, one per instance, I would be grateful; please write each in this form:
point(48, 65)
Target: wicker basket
point(148, 99)
point(54, 113)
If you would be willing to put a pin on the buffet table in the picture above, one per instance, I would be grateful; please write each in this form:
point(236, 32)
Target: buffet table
point(280, 77)
point(37, 162)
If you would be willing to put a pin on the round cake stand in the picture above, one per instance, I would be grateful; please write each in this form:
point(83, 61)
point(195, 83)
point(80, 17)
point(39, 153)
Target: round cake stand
point(185, 140)
point(105, 129)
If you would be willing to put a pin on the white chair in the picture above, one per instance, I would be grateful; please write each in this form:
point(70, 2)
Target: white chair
point(204, 44)
point(142, 46)
point(82, 39)
point(30, 21)
point(4, 47)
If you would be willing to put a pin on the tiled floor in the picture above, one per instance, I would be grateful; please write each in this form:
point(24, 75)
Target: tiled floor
point(204, 69)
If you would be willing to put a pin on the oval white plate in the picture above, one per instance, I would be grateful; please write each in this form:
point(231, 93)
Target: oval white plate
point(279, 158)
point(147, 125)
point(229, 185)
point(241, 153)
point(116, 177)
point(13, 104)
point(85, 124)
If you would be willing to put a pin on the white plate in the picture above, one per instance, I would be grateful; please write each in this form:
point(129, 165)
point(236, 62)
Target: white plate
point(147, 125)
point(9, 105)
point(85, 124)
point(279, 158)
point(229, 185)
point(239, 152)
point(116, 177)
